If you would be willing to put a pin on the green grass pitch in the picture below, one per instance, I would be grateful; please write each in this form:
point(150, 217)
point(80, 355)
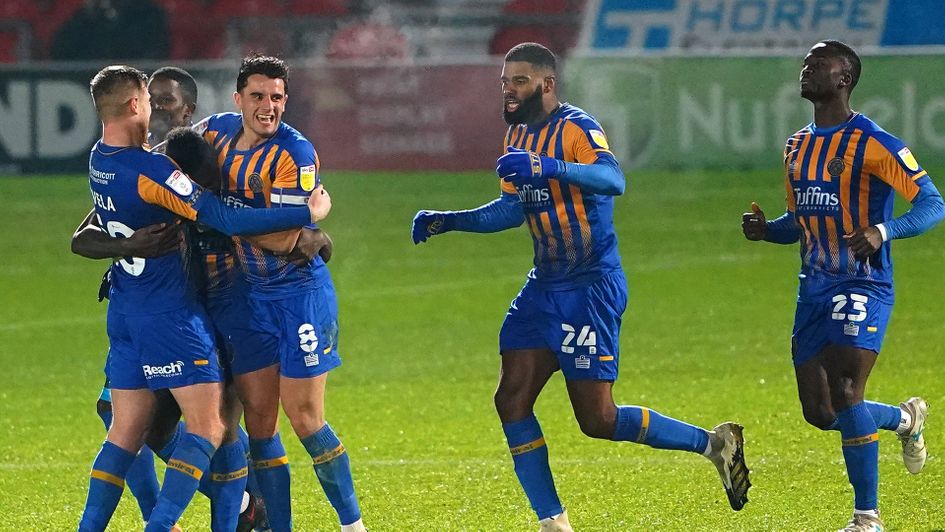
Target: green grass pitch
point(705, 339)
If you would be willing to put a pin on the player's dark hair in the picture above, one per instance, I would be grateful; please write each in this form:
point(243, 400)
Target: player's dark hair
point(849, 56)
point(534, 53)
point(267, 65)
point(113, 78)
point(188, 87)
point(192, 154)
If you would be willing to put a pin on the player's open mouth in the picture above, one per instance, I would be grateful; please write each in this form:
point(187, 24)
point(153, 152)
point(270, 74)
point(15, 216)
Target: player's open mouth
point(511, 105)
point(267, 119)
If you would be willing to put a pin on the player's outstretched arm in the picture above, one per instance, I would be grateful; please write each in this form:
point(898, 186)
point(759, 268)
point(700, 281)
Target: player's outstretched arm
point(781, 230)
point(210, 210)
point(602, 177)
point(498, 215)
point(91, 241)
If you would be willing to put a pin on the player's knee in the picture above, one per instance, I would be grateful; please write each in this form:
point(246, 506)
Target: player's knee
point(212, 431)
point(306, 417)
point(596, 425)
point(819, 416)
point(510, 406)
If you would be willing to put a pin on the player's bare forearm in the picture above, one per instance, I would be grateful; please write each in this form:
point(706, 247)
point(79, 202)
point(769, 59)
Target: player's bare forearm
point(92, 242)
point(280, 243)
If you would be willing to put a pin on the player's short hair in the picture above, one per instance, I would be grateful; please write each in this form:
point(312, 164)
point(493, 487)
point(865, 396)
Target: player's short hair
point(267, 65)
point(111, 80)
point(192, 154)
point(534, 53)
point(188, 87)
point(845, 52)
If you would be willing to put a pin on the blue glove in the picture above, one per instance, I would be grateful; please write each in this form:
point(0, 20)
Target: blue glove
point(521, 166)
point(429, 223)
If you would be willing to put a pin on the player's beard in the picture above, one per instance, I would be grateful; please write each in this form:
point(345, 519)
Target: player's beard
point(529, 111)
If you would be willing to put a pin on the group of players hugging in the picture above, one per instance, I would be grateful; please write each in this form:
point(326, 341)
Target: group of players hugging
point(221, 306)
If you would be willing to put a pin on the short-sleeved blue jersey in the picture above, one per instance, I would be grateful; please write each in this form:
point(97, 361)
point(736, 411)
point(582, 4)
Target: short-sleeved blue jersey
point(838, 180)
point(282, 171)
point(132, 188)
point(572, 230)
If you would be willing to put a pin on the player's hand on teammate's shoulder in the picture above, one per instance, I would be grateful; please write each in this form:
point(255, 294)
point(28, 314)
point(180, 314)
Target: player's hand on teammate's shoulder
point(311, 242)
point(754, 224)
point(152, 241)
point(427, 224)
point(864, 241)
point(319, 204)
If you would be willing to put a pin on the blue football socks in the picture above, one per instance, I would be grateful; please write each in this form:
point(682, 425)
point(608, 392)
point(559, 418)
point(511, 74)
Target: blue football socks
point(333, 469)
point(228, 474)
point(530, 458)
point(141, 478)
point(642, 425)
point(272, 474)
point(861, 453)
point(886, 416)
point(105, 486)
point(251, 485)
point(186, 467)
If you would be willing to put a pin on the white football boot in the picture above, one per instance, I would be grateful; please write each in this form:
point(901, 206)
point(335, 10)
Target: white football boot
point(559, 523)
point(914, 452)
point(864, 523)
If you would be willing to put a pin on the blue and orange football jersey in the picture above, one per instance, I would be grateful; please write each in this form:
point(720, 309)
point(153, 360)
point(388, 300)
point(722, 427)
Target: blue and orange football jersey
point(572, 230)
point(282, 171)
point(131, 188)
point(838, 180)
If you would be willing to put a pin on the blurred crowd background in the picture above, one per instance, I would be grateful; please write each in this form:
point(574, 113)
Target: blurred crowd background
point(182, 30)
point(413, 84)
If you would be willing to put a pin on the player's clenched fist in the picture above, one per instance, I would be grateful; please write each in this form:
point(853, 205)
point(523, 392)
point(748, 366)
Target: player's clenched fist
point(319, 204)
point(754, 224)
point(520, 166)
point(427, 224)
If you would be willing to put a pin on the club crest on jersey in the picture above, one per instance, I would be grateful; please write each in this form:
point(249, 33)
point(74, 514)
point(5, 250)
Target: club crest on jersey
point(835, 167)
point(180, 183)
point(599, 139)
point(255, 183)
point(308, 177)
point(908, 159)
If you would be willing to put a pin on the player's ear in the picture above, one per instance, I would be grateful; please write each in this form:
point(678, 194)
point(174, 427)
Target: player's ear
point(189, 111)
point(845, 80)
point(236, 98)
point(549, 83)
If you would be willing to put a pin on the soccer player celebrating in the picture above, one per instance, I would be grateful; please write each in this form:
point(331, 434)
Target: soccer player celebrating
point(158, 335)
point(559, 176)
point(840, 173)
point(173, 96)
point(268, 165)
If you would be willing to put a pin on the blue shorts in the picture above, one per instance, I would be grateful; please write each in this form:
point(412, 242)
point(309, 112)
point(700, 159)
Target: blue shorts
point(157, 351)
point(237, 334)
point(849, 318)
point(300, 333)
point(581, 326)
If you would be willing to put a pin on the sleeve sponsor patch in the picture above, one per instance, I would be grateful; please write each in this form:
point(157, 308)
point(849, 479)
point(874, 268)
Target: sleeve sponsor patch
point(599, 139)
point(908, 159)
point(308, 177)
point(180, 183)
